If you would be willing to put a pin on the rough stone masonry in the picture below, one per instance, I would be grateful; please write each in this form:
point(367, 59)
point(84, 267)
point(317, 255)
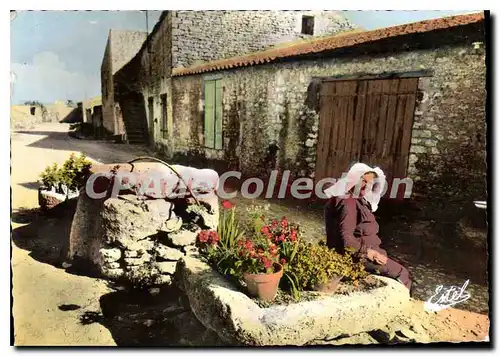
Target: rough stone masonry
point(137, 238)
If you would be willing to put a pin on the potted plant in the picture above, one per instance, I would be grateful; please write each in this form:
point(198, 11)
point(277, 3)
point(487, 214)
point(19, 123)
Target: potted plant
point(260, 268)
point(60, 184)
point(286, 236)
point(319, 268)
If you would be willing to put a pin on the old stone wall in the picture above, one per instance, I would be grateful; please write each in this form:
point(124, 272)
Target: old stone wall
point(124, 46)
point(140, 236)
point(154, 79)
point(121, 47)
point(107, 90)
point(182, 38)
point(199, 36)
point(278, 104)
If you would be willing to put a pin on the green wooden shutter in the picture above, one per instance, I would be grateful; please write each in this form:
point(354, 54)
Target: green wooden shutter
point(218, 115)
point(209, 113)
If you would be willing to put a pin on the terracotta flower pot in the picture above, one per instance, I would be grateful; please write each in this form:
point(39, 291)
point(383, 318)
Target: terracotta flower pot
point(264, 286)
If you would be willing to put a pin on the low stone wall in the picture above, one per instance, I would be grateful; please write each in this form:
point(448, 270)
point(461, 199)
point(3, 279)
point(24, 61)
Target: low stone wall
point(140, 239)
point(238, 320)
point(144, 239)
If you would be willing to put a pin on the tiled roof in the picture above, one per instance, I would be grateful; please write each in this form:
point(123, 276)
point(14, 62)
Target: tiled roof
point(331, 43)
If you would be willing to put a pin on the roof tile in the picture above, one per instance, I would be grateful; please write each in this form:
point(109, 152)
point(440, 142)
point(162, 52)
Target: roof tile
point(331, 43)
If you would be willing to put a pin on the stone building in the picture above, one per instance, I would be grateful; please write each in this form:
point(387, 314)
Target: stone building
point(184, 38)
point(409, 98)
point(92, 115)
point(120, 48)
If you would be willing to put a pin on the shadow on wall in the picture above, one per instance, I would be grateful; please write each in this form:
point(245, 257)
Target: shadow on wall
point(453, 180)
point(134, 117)
point(76, 115)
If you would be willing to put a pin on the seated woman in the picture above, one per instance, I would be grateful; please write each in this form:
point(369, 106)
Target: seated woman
point(350, 222)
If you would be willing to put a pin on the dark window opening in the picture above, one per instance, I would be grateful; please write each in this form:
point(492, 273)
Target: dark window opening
point(32, 110)
point(151, 111)
point(307, 25)
point(164, 127)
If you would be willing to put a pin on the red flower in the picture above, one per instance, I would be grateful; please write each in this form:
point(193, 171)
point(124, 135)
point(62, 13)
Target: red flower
point(284, 222)
point(226, 204)
point(283, 261)
point(248, 245)
point(214, 238)
point(293, 235)
point(274, 224)
point(265, 230)
point(266, 262)
point(203, 236)
point(281, 237)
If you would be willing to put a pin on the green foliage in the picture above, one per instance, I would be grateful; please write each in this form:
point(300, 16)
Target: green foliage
point(74, 171)
point(51, 176)
point(229, 230)
point(305, 265)
point(257, 255)
point(72, 174)
point(316, 264)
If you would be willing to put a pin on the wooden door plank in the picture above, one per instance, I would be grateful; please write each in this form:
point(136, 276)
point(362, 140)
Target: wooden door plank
point(409, 112)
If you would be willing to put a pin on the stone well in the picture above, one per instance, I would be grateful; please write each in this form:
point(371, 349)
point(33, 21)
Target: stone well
point(139, 237)
point(238, 320)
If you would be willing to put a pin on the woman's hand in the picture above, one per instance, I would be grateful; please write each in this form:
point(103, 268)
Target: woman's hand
point(376, 256)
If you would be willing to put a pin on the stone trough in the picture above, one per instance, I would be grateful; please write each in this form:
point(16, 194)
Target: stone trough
point(238, 320)
point(141, 237)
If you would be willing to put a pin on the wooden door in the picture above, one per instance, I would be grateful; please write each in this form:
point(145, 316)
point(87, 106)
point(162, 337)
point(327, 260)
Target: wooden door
point(367, 121)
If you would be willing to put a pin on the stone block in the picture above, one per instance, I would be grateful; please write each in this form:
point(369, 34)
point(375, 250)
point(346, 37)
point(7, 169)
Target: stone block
point(131, 254)
point(128, 221)
point(132, 261)
point(238, 320)
point(168, 253)
point(430, 143)
point(182, 238)
point(171, 225)
point(111, 265)
point(85, 239)
point(310, 142)
point(417, 149)
point(159, 206)
point(422, 133)
point(110, 254)
point(112, 273)
point(166, 267)
point(163, 279)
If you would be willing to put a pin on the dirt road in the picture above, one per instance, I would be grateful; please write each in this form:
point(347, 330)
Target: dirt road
point(46, 297)
point(49, 302)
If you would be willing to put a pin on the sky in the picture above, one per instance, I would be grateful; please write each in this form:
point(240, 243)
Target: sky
point(57, 55)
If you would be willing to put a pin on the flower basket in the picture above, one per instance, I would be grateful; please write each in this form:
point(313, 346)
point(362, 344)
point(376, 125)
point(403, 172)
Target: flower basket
point(264, 286)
